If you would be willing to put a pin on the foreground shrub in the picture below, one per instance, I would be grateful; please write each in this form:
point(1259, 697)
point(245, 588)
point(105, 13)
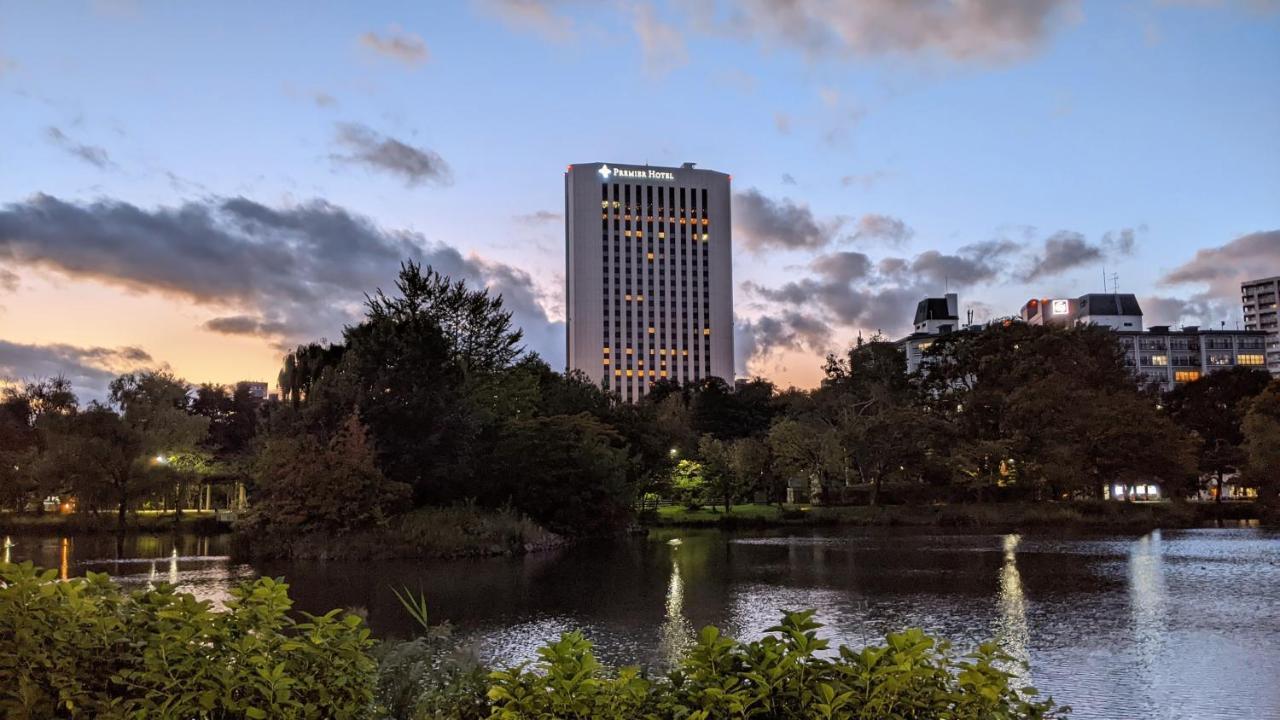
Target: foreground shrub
point(781, 676)
point(84, 649)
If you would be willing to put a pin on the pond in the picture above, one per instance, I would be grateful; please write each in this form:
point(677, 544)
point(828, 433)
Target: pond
point(1167, 624)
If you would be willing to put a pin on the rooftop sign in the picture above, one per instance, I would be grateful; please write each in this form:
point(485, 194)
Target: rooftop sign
point(607, 173)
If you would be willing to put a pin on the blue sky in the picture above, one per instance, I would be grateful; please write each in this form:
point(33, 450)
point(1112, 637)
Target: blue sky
point(1008, 149)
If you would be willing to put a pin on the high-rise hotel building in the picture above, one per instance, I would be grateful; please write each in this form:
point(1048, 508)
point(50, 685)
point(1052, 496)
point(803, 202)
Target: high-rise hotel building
point(648, 275)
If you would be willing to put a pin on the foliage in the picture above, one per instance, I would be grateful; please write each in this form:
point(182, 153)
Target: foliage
point(567, 472)
point(1213, 409)
point(688, 483)
point(306, 487)
point(1262, 442)
point(84, 649)
point(783, 675)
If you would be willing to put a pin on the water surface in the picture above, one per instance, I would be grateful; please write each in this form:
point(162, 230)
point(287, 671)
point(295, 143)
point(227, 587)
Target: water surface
point(1168, 624)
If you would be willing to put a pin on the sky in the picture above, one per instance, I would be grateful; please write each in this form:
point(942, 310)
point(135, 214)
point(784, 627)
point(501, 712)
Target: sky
point(201, 186)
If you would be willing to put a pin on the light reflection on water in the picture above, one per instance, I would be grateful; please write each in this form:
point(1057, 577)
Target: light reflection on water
point(1172, 624)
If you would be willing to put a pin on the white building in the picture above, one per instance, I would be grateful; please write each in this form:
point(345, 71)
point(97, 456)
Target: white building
point(649, 285)
point(934, 317)
point(1258, 299)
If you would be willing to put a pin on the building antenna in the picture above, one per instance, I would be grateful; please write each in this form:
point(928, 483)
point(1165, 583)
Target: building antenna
point(1104, 278)
point(1115, 283)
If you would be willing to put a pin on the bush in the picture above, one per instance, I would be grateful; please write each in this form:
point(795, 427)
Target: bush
point(84, 649)
point(781, 676)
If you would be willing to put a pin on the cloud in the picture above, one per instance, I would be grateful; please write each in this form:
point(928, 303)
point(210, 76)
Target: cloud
point(963, 31)
point(785, 330)
point(972, 264)
point(884, 228)
point(324, 99)
point(91, 154)
point(850, 291)
point(661, 45)
point(90, 369)
point(782, 122)
point(246, 325)
point(300, 270)
point(8, 280)
point(842, 267)
point(1222, 268)
point(865, 181)
point(787, 179)
point(540, 217)
point(398, 45)
point(763, 223)
point(1123, 241)
point(1064, 250)
point(416, 165)
point(535, 15)
point(7, 65)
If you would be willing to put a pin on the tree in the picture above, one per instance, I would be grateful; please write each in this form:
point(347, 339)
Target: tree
point(752, 462)
point(475, 326)
point(96, 454)
point(1213, 408)
point(567, 472)
point(688, 484)
point(309, 486)
point(25, 414)
point(806, 448)
point(719, 473)
point(1262, 444)
point(155, 405)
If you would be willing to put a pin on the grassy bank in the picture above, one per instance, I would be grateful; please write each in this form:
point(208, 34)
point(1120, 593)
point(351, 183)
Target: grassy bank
point(429, 532)
point(1081, 514)
point(142, 522)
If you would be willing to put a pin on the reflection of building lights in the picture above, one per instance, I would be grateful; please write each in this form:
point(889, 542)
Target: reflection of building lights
point(1013, 632)
point(676, 634)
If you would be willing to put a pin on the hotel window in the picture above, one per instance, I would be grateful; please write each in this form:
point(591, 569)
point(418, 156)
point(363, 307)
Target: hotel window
point(1186, 376)
point(1250, 360)
point(1160, 360)
point(1220, 359)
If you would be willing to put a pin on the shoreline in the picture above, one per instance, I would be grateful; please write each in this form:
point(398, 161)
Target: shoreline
point(1073, 515)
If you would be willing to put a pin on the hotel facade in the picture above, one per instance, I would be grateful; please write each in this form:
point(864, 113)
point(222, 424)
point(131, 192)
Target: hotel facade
point(649, 284)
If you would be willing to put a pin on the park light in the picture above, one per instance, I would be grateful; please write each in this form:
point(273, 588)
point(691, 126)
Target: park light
point(675, 452)
point(161, 460)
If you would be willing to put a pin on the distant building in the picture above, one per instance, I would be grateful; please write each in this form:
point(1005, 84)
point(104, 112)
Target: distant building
point(934, 317)
point(257, 390)
point(1258, 299)
point(1170, 357)
point(649, 280)
point(1118, 311)
point(1157, 354)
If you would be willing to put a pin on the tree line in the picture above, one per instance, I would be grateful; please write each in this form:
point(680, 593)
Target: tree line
point(430, 399)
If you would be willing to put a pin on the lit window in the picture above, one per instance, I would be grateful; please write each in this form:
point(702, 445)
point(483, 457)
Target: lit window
point(662, 373)
point(651, 257)
point(1161, 360)
point(617, 373)
point(651, 331)
point(606, 361)
point(606, 351)
point(629, 372)
point(628, 297)
point(1250, 360)
point(706, 331)
point(685, 353)
point(1186, 375)
point(628, 351)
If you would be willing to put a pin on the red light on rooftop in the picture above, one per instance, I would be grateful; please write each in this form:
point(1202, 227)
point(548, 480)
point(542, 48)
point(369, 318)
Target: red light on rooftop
point(568, 167)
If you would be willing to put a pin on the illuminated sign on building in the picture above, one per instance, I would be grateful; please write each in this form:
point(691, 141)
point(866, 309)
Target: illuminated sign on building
point(1061, 307)
point(607, 172)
